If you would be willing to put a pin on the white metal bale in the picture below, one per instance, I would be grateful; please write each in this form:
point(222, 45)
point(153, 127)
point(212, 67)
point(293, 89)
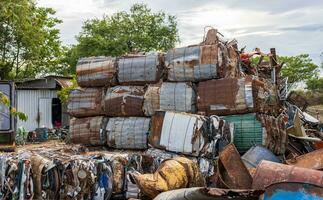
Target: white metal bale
point(28, 103)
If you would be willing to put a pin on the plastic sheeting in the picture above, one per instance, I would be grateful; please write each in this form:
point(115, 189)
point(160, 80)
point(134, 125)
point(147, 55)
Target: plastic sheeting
point(96, 71)
point(128, 133)
point(140, 69)
point(85, 102)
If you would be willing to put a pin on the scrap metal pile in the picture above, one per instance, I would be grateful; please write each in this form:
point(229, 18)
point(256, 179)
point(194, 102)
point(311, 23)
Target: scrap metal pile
point(186, 124)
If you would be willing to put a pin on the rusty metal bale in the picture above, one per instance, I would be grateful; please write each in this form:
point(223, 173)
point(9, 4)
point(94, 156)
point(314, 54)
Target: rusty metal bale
point(209, 194)
point(208, 60)
point(180, 97)
point(179, 132)
point(268, 173)
point(232, 172)
point(127, 133)
point(256, 154)
point(140, 69)
point(276, 136)
point(293, 190)
point(96, 71)
point(179, 172)
point(124, 101)
point(85, 102)
point(225, 96)
point(88, 131)
point(312, 160)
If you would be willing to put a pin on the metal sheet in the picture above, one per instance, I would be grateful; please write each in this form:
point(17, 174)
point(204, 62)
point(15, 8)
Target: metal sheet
point(248, 131)
point(128, 133)
point(96, 71)
point(140, 69)
point(45, 113)
point(124, 101)
point(256, 154)
point(86, 102)
point(192, 63)
point(209, 194)
point(225, 96)
point(179, 132)
point(177, 97)
point(28, 103)
point(232, 172)
point(312, 160)
point(295, 191)
point(6, 120)
point(88, 131)
point(268, 173)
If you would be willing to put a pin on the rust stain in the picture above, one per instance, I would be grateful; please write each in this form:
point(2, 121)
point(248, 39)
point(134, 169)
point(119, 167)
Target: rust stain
point(312, 160)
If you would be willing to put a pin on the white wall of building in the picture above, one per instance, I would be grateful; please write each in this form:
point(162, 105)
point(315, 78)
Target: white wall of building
point(37, 105)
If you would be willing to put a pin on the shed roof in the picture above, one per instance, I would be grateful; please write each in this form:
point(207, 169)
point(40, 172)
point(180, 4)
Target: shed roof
point(47, 82)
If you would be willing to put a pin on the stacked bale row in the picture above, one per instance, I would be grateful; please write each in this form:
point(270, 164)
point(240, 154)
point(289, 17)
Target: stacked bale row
point(118, 96)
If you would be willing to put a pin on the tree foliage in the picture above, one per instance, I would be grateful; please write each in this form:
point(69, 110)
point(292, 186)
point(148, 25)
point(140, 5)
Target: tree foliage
point(64, 93)
point(298, 68)
point(29, 41)
point(125, 32)
point(4, 100)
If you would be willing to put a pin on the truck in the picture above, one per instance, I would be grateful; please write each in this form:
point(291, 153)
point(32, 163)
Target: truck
point(7, 120)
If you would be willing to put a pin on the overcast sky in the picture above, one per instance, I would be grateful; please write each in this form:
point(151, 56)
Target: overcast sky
point(292, 26)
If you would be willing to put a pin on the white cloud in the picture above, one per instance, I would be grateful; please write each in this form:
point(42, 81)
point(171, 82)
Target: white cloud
point(292, 26)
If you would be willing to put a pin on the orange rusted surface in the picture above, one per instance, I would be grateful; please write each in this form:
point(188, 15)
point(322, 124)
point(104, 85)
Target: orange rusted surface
point(312, 160)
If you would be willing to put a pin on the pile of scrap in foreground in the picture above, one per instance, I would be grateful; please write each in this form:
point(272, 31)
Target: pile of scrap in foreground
point(187, 124)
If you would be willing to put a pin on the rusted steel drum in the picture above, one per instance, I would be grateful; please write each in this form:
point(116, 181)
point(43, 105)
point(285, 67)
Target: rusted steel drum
point(256, 154)
point(140, 69)
point(268, 173)
point(312, 160)
point(293, 190)
point(96, 71)
point(232, 172)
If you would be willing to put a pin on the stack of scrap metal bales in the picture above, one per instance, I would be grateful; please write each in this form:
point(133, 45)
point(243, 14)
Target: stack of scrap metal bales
point(186, 124)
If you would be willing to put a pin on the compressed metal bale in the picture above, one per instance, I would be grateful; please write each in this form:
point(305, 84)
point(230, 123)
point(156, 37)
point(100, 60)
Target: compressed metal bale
point(225, 96)
point(248, 131)
point(168, 96)
point(151, 100)
point(122, 101)
point(140, 69)
point(178, 97)
point(44, 171)
point(96, 71)
point(179, 172)
point(179, 132)
point(86, 102)
point(88, 131)
point(192, 63)
point(128, 133)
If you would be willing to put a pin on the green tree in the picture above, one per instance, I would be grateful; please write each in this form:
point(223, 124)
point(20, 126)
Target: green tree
point(315, 84)
point(29, 41)
point(298, 68)
point(139, 30)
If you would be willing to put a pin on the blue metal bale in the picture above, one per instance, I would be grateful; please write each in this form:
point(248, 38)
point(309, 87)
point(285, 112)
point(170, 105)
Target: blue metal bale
point(256, 154)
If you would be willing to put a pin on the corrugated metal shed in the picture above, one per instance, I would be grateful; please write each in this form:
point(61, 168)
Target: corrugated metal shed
point(248, 131)
point(30, 103)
